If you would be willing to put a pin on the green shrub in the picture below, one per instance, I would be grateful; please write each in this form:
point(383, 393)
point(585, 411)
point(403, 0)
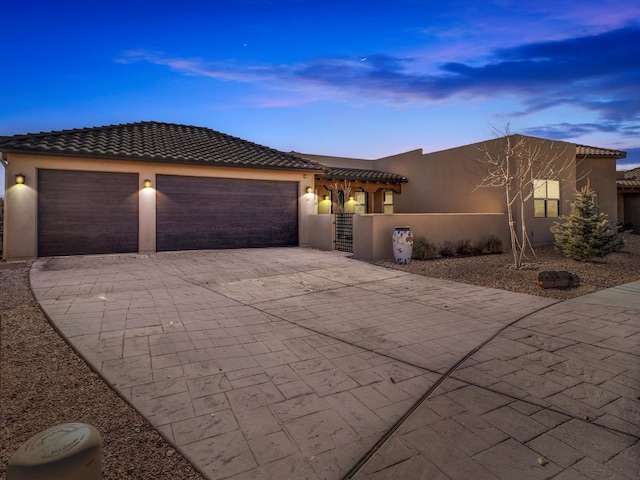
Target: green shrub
point(494, 244)
point(423, 249)
point(447, 249)
point(585, 234)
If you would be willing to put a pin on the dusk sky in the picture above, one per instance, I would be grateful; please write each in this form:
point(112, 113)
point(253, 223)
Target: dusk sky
point(356, 78)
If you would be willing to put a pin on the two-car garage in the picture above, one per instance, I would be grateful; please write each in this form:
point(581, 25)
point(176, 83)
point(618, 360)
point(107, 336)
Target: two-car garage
point(87, 212)
point(146, 187)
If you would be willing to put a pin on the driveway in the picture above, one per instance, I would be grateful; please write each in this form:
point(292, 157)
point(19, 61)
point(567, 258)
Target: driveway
point(296, 363)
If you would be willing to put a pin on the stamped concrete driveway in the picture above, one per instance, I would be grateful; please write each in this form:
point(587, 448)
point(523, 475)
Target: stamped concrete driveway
point(298, 364)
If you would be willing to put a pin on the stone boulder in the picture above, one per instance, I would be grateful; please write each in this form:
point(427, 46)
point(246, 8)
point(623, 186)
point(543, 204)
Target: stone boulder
point(558, 279)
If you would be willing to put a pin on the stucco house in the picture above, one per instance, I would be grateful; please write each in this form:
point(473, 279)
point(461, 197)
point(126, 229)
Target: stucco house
point(149, 187)
point(438, 193)
point(152, 187)
point(628, 184)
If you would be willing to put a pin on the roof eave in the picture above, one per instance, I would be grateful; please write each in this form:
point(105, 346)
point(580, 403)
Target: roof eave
point(174, 161)
point(365, 180)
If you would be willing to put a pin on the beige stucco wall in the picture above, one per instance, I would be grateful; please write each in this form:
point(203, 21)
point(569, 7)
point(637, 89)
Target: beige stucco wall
point(601, 174)
point(20, 223)
point(441, 182)
point(372, 233)
point(321, 231)
point(447, 182)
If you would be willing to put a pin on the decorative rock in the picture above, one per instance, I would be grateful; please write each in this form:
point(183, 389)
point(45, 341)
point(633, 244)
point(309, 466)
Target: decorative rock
point(558, 279)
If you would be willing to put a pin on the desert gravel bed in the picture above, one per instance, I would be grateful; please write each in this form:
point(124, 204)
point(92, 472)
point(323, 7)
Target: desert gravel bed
point(495, 270)
point(44, 383)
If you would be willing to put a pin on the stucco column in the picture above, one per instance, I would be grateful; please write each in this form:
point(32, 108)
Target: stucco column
point(21, 206)
point(147, 212)
point(307, 207)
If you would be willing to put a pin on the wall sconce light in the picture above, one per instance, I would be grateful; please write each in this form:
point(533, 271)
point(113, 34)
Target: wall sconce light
point(326, 197)
point(309, 189)
point(147, 183)
point(20, 179)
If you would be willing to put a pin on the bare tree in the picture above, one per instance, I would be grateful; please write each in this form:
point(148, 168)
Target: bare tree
point(345, 188)
point(515, 166)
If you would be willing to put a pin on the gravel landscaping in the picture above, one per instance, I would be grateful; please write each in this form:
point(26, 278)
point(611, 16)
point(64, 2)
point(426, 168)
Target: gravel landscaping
point(44, 383)
point(496, 271)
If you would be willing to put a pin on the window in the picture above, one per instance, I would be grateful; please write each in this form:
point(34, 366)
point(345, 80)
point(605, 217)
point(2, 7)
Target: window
point(361, 202)
point(546, 198)
point(388, 201)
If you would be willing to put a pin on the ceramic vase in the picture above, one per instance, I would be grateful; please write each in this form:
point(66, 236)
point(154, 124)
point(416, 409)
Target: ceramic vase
point(402, 244)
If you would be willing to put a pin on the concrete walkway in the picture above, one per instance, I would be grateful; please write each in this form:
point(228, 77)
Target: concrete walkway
point(294, 363)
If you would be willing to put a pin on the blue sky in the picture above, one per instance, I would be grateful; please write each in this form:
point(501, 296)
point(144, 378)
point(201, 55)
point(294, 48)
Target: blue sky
point(349, 78)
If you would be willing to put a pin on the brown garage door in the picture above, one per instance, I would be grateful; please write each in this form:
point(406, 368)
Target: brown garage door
point(82, 213)
point(195, 213)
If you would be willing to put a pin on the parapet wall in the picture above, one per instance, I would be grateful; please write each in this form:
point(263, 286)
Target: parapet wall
point(372, 233)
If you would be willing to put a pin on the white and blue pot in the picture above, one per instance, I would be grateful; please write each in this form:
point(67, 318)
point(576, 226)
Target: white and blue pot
point(402, 244)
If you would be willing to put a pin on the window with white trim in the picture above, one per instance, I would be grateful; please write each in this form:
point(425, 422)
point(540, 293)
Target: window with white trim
point(388, 201)
point(546, 198)
point(361, 202)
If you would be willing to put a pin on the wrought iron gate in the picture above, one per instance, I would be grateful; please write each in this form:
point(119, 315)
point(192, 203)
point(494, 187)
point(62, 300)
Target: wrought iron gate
point(344, 232)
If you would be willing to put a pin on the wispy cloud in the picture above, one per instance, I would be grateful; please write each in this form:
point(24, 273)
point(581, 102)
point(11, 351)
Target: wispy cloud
point(575, 130)
point(195, 66)
point(599, 72)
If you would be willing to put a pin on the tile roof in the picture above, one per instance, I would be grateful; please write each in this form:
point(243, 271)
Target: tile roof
point(363, 175)
point(628, 183)
point(585, 150)
point(157, 142)
point(634, 173)
point(631, 180)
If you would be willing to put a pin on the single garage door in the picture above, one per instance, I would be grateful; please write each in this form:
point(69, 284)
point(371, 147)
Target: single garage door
point(195, 213)
point(81, 213)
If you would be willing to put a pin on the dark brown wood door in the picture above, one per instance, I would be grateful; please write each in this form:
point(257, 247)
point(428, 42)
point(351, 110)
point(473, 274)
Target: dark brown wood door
point(82, 213)
point(195, 213)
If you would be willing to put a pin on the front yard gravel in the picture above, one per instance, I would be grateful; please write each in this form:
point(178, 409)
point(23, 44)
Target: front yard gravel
point(496, 271)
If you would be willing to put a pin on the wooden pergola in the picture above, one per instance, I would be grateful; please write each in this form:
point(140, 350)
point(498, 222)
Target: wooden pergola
point(373, 182)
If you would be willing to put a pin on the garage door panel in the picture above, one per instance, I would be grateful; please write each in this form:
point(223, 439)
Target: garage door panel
point(82, 213)
point(205, 213)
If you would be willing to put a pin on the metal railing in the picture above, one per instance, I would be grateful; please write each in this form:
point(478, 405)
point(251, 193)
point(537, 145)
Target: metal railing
point(344, 232)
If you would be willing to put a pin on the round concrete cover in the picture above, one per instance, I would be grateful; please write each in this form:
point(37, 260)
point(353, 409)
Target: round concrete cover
point(68, 451)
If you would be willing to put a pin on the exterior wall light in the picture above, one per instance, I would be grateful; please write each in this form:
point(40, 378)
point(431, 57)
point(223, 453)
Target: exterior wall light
point(147, 183)
point(309, 189)
point(20, 179)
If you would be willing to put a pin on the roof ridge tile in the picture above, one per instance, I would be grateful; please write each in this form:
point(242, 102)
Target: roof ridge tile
point(153, 141)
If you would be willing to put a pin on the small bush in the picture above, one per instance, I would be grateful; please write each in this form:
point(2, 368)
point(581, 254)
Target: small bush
point(423, 249)
point(477, 248)
point(447, 249)
point(494, 244)
point(585, 234)
point(463, 248)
